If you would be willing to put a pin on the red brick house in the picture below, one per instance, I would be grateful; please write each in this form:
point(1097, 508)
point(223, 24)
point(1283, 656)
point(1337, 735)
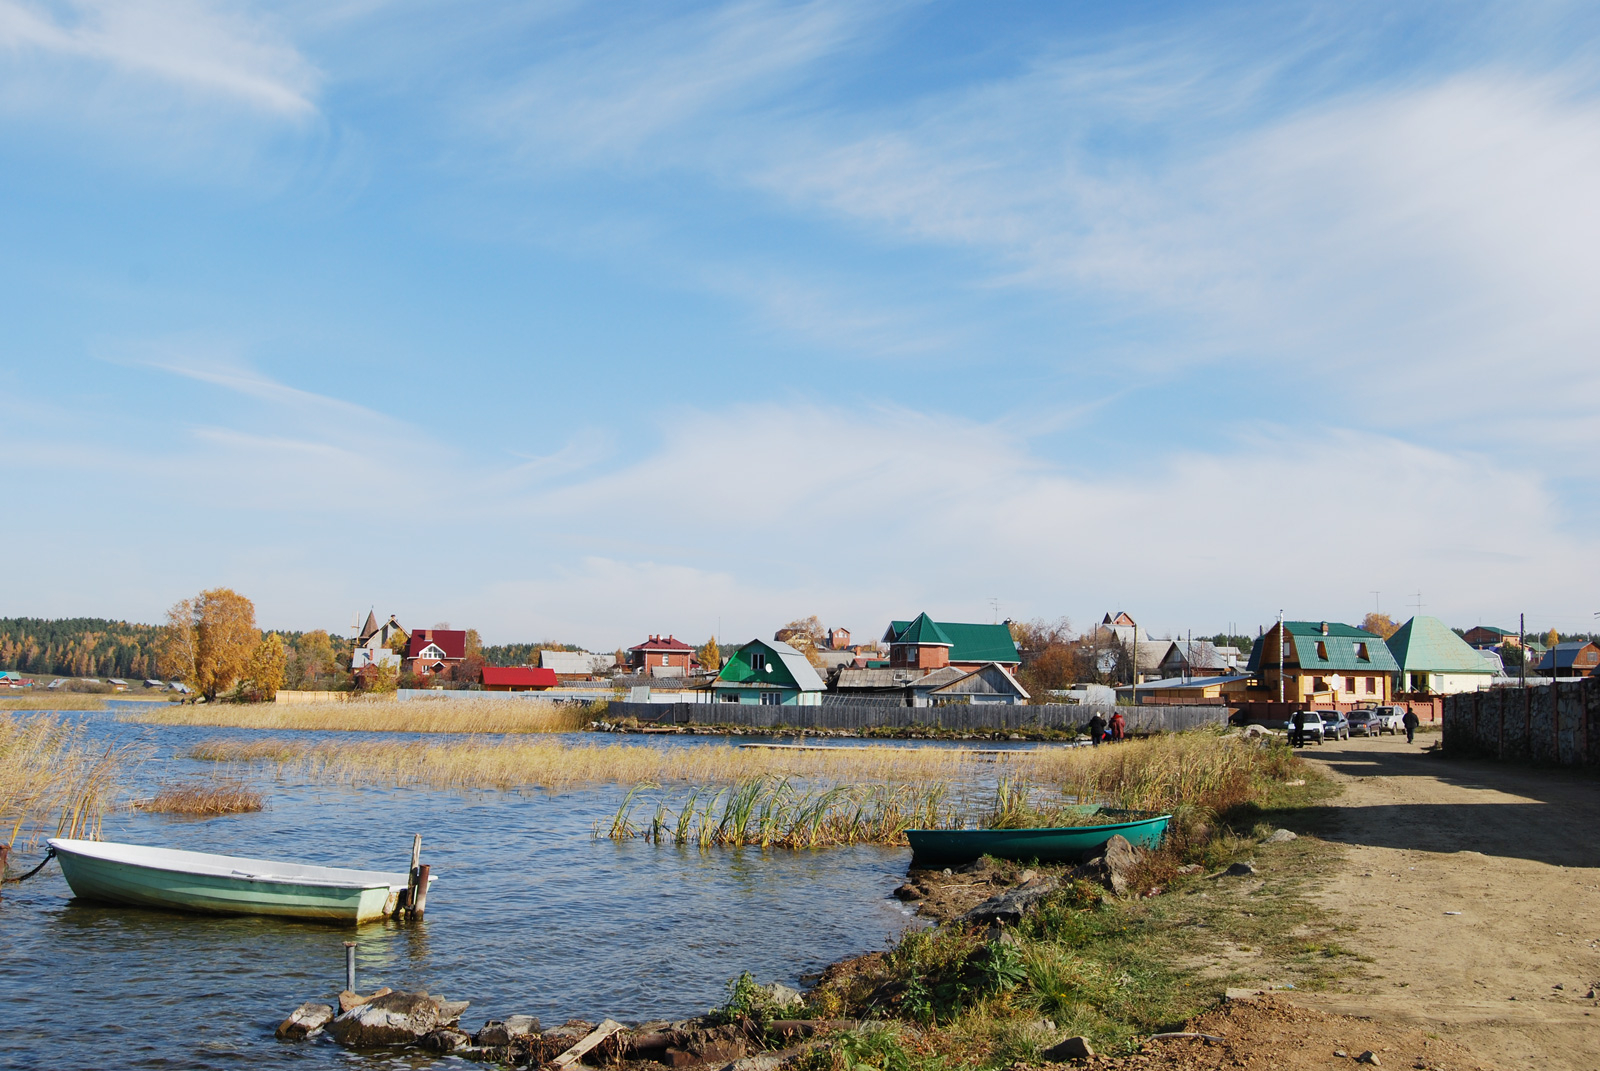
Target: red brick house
point(433, 650)
point(517, 679)
point(661, 657)
point(838, 638)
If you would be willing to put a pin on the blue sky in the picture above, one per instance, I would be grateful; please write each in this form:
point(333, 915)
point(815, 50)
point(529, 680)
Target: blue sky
point(583, 321)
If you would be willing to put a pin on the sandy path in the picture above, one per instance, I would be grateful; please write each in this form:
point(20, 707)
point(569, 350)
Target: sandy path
point(1516, 852)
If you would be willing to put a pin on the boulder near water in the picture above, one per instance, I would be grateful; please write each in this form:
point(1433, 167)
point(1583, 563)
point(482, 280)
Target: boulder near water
point(305, 1021)
point(395, 1019)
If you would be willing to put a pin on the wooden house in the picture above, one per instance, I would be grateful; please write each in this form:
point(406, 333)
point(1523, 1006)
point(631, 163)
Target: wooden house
point(769, 673)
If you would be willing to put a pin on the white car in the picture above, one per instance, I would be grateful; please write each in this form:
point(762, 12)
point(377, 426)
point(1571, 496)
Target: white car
point(1390, 719)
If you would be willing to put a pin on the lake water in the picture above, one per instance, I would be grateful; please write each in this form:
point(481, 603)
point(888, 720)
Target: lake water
point(531, 914)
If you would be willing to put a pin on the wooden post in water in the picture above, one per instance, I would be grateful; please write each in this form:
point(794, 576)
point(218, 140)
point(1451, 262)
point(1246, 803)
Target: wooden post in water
point(350, 966)
point(419, 896)
point(413, 898)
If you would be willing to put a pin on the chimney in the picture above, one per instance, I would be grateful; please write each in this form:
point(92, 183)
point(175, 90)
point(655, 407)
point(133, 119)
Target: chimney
point(1324, 628)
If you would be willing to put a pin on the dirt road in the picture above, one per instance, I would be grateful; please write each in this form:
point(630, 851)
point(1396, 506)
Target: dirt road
point(1475, 888)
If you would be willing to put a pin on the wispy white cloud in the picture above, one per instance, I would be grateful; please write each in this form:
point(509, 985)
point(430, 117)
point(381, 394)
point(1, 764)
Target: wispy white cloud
point(212, 50)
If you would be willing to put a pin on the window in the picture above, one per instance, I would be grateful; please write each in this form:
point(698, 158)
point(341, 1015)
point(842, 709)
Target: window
point(1350, 685)
point(1318, 684)
point(771, 699)
point(1322, 651)
point(664, 660)
point(758, 661)
point(1361, 652)
point(1366, 685)
point(729, 697)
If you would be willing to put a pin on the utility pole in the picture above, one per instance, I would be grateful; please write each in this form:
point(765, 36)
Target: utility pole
point(1522, 645)
point(1280, 656)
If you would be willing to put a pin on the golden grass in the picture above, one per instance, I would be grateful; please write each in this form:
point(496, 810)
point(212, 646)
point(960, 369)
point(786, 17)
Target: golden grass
point(48, 769)
point(225, 797)
point(380, 716)
point(556, 765)
point(52, 701)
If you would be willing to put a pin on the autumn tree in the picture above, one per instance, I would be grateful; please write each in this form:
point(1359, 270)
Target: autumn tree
point(709, 656)
point(1552, 639)
point(806, 635)
point(209, 639)
point(1380, 625)
point(398, 642)
point(263, 673)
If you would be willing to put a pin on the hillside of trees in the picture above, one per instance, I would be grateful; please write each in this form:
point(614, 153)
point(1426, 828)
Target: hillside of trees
point(522, 654)
point(79, 647)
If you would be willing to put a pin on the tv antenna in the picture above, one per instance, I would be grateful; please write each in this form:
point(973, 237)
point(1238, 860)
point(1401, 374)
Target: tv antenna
point(1377, 607)
point(1418, 600)
point(994, 604)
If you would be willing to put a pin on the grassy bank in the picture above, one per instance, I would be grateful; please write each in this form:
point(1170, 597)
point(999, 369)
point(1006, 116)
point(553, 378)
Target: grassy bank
point(495, 716)
point(1112, 970)
point(52, 781)
point(52, 701)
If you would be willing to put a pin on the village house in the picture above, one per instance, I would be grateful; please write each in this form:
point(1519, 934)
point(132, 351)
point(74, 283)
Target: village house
point(371, 646)
point(1197, 658)
point(925, 644)
point(576, 665)
point(1490, 636)
point(1323, 663)
point(661, 657)
point(518, 679)
point(1433, 660)
point(839, 638)
point(769, 673)
point(1575, 658)
point(992, 683)
point(1143, 653)
point(433, 650)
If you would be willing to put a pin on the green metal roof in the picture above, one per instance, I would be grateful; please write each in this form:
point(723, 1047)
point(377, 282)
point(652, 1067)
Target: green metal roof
point(1426, 645)
point(969, 643)
point(923, 630)
point(783, 667)
point(1338, 650)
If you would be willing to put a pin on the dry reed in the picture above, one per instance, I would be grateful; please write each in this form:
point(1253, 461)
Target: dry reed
point(776, 814)
point(48, 769)
point(224, 797)
point(555, 765)
point(48, 700)
point(492, 716)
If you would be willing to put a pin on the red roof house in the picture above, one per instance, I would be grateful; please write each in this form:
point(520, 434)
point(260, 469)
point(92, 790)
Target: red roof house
point(432, 650)
point(517, 679)
point(661, 657)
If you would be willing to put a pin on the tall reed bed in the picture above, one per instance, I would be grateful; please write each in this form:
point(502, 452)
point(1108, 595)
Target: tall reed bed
point(48, 700)
point(498, 716)
point(202, 800)
point(49, 771)
point(555, 765)
point(769, 812)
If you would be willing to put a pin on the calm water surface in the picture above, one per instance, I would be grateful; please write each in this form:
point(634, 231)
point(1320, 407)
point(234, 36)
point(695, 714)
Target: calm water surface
point(530, 914)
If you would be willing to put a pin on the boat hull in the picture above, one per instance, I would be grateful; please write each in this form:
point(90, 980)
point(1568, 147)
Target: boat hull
point(124, 882)
point(1066, 844)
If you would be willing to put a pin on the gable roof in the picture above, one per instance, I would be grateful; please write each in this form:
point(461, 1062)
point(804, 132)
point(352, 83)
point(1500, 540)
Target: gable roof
point(519, 677)
point(969, 643)
point(452, 641)
point(1496, 629)
point(1565, 655)
point(1426, 645)
point(369, 628)
point(799, 672)
point(1197, 654)
point(992, 679)
point(1339, 643)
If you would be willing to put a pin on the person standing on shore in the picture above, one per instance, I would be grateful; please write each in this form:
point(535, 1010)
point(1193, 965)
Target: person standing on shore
point(1119, 726)
point(1410, 722)
point(1097, 728)
point(1297, 729)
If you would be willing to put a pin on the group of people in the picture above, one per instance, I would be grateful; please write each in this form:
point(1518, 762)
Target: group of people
point(1101, 729)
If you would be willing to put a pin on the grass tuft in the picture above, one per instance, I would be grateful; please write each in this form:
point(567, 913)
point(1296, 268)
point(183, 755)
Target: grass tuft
point(225, 797)
point(49, 769)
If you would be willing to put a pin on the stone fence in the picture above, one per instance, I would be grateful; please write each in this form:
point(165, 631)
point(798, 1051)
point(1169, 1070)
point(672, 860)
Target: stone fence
point(961, 717)
point(1557, 723)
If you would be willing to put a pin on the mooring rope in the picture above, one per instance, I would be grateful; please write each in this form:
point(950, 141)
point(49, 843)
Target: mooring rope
point(49, 855)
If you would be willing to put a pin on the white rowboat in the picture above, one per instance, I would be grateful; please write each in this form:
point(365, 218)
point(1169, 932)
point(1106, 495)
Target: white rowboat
point(225, 884)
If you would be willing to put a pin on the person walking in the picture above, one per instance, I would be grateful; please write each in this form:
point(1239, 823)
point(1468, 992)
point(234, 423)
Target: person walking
point(1119, 726)
point(1410, 721)
point(1097, 728)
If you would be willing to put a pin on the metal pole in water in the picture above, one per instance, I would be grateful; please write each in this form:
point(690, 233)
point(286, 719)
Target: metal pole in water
point(350, 966)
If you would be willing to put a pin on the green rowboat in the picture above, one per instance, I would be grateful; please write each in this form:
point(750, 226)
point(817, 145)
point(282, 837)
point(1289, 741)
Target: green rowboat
point(1060, 844)
point(225, 884)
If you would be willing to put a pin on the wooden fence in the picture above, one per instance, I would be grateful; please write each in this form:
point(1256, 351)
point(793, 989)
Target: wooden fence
point(1556, 723)
point(866, 714)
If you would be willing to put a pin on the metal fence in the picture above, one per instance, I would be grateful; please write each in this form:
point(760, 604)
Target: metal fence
point(1556, 723)
point(868, 714)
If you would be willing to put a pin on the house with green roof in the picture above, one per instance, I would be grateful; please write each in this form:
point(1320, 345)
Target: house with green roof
point(769, 673)
point(1433, 660)
point(925, 644)
point(1322, 662)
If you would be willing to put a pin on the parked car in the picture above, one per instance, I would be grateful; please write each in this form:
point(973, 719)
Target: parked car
point(1312, 725)
point(1364, 723)
point(1335, 726)
point(1392, 719)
